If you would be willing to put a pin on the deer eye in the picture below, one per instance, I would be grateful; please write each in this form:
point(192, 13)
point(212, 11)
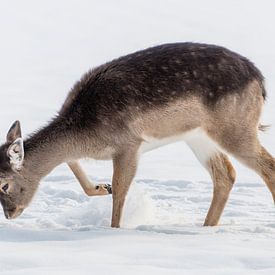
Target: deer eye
point(5, 187)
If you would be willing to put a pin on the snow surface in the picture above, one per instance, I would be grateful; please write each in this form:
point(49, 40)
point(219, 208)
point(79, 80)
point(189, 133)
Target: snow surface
point(45, 47)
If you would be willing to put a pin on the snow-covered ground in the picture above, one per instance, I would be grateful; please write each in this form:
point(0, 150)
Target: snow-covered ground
point(45, 46)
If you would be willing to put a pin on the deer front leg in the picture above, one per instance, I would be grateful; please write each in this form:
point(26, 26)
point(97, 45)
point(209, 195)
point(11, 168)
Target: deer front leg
point(125, 166)
point(89, 188)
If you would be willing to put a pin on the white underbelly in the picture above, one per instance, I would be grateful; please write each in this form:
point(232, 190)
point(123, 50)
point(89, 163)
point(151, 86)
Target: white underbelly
point(151, 143)
point(199, 142)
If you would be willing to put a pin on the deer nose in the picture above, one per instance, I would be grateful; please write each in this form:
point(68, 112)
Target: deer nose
point(13, 213)
point(7, 213)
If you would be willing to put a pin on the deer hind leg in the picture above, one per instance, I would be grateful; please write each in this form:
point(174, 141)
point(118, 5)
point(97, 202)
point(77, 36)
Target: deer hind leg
point(252, 154)
point(89, 187)
point(125, 165)
point(221, 171)
point(241, 140)
point(265, 166)
point(223, 176)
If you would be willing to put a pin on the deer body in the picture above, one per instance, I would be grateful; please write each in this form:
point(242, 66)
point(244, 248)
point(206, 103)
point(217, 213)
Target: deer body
point(205, 95)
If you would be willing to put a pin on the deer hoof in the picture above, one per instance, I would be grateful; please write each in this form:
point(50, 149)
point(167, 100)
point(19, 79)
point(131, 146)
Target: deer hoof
point(103, 188)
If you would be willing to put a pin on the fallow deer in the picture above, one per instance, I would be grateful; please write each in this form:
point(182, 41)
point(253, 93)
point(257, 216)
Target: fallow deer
point(205, 95)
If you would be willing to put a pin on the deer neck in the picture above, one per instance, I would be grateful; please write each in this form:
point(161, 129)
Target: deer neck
point(47, 148)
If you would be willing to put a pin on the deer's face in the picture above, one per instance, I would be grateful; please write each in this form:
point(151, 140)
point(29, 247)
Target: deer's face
point(16, 191)
point(12, 196)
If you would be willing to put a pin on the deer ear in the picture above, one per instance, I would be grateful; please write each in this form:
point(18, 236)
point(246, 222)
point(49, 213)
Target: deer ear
point(16, 154)
point(14, 132)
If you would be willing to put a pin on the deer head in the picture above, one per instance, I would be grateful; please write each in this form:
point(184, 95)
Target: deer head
point(15, 189)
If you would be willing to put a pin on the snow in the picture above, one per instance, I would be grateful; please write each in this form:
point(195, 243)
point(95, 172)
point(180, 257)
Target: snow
point(44, 49)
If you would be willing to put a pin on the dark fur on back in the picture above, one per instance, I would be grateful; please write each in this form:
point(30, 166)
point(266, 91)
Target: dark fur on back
point(157, 76)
